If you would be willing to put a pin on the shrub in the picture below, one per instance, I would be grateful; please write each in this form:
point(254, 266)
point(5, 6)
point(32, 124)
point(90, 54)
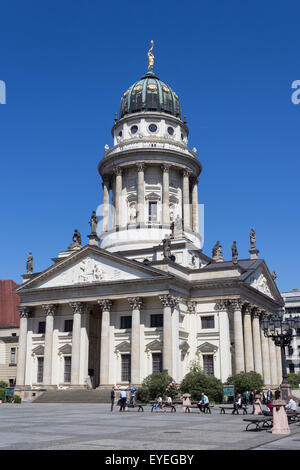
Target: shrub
point(294, 380)
point(246, 381)
point(197, 382)
point(156, 384)
point(3, 384)
point(142, 395)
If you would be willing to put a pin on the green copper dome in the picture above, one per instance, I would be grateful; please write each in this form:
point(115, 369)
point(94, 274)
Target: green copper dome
point(150, 94)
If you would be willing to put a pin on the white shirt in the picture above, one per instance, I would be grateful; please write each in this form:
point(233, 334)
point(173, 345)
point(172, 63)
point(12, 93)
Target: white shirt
point(123, 394)
point(292, 405)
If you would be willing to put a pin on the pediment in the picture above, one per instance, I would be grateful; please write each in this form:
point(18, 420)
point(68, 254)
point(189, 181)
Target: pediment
point(39, 350)
point(263, 282)
point(154, 346)
point(89, 266)
point(66, 349)
point(207, 348)
point(123, 347)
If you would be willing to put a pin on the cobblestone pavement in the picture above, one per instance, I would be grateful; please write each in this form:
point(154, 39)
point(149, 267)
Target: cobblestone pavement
point(92, 426)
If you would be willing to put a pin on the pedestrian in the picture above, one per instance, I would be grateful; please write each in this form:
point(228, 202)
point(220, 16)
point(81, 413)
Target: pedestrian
point(264, 398)
point(123, 397)
point(269, 395)
point(251, 397)
point(277, 393)
point(112, 398)
point(291, 405)
point(132, 392)
point(237, 404)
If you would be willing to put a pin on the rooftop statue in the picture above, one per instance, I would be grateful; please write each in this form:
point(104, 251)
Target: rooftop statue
point(217, 250)
point(76, 237)
point(234, 253)
point(29, 263)
point(150, 58)
point(252, 238)
point(93, 223)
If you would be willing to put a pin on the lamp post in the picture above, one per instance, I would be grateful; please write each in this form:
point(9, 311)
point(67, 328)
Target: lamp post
point(281, 332)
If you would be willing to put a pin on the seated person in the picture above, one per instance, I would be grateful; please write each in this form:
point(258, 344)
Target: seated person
point(291, 405)
point(158, 402)
point(270, 410)
point(203, 403)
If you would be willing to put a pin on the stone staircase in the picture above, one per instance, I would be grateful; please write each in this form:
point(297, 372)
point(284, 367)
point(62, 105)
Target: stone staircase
point(74, 396)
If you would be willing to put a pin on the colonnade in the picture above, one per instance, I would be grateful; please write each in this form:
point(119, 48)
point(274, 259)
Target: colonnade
point(251, 350)
point(79, 367)
point(189, 197)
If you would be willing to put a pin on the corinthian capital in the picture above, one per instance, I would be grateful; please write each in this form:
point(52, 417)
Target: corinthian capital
point(24, 312)
point(247, 308)
point(78, 307)
point(235, 304)
point(117, 170)
point(191, 306)
point(168, 300)
point(165, 167)
point(50, 309)
point(222, 305)
point(135, 303)
point(105, 304)
point(140, 166)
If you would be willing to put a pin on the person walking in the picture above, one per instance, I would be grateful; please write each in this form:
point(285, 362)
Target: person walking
point(269, 395)
point(112, 398)
point(132, 392)
point(237, 404)
point(277, 393)
point(123, 397)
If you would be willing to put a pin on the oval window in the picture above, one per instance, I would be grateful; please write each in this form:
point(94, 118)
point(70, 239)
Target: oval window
point(170, 130)
point(133, 129)
point(152, 128)
point(120, 134)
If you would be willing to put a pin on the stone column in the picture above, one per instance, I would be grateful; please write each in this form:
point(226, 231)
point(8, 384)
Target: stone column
point(141, 194)
point(118, 194)
point(105, 306)
point(78, 308)
point(249, 360)
point(265, 355)
point(273, 362)
point(168, 302)
point(24, 314)
point(186, 199)
point(279, 364)
point(224, 332)
point(257, 342)
point(165, 196)
point(238, 336)
point(50, 310)
point(105, 185)
point(135, 305)
point(195, 205)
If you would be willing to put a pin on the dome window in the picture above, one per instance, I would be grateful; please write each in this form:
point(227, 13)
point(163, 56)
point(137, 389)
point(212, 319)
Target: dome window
point(152, 86)
point(152, 128)
point(134, 129)
point(120, 134)
point(170, 130)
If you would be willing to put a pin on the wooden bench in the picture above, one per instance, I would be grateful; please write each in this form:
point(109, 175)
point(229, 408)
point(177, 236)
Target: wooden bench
point(140, 406)
point(259, 422)
point(293, 416)
point(195, 405)
point(164, 406)
point(227, 407)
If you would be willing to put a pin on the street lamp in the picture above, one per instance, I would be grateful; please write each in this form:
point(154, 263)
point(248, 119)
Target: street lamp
point(281, 332)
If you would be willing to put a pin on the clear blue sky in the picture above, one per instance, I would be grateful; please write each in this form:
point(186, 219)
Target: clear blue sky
point(66, 65)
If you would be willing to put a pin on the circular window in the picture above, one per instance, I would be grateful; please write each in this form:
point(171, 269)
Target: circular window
point(133, 129)
point(152, 128)
point(170, 130)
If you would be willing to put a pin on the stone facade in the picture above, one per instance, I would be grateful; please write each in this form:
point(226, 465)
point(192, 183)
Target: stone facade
point(114, 313)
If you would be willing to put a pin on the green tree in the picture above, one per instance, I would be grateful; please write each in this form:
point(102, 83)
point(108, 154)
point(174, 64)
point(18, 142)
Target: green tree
point(156, 384)
point(197, 381)
point(246, 381)
point(294, 380)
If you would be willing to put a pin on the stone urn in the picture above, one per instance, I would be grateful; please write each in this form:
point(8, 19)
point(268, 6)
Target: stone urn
point(186, 401)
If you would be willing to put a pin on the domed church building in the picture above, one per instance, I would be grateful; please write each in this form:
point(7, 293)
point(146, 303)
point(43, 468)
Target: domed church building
point(142, 296)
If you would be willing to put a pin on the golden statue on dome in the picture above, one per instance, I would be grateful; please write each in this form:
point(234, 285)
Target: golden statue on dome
point(150, 58)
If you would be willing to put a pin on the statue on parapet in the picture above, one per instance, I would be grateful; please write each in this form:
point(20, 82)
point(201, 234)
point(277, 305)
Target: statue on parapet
point(252, 238)
point(93, 223)
point(76, 237)
point(217, 251)
point(29, 263)
point(234, 253)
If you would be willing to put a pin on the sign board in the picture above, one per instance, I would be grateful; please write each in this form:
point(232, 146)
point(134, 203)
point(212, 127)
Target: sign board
point(228, 391)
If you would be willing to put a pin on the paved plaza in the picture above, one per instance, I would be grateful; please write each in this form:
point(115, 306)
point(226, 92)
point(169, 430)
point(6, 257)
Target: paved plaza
point(93, 427)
